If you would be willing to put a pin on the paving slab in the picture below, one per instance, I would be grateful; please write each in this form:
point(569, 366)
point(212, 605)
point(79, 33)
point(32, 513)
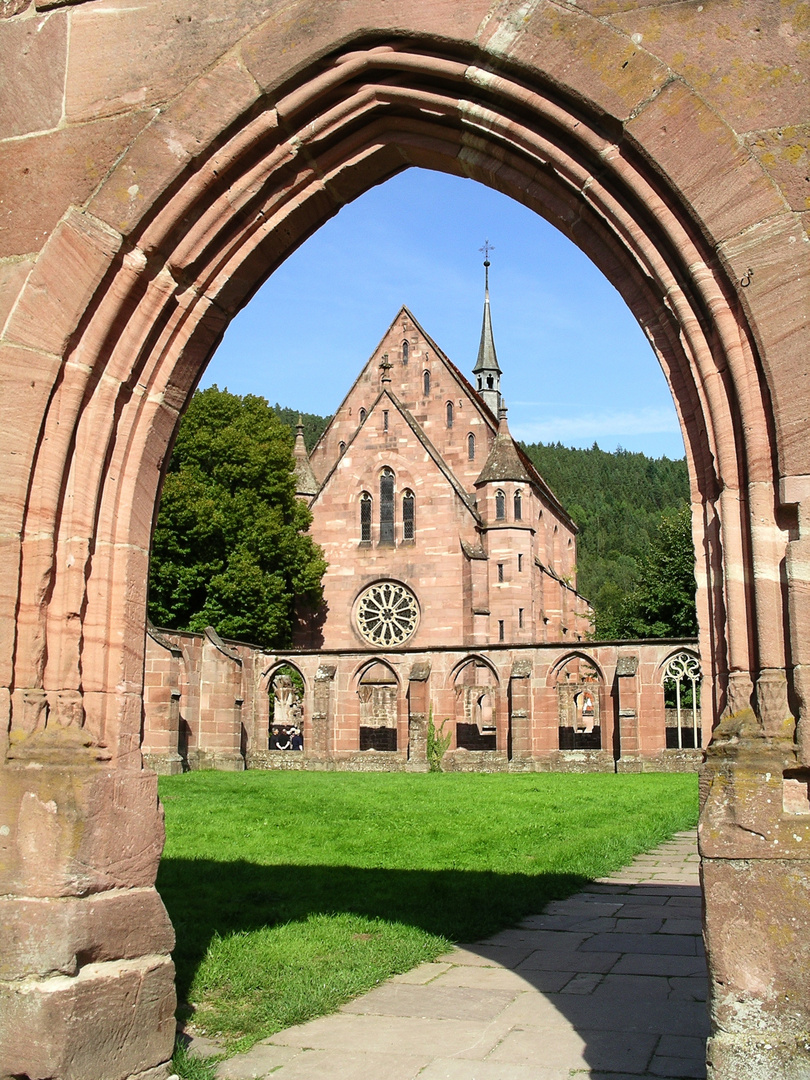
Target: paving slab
point(607, 985)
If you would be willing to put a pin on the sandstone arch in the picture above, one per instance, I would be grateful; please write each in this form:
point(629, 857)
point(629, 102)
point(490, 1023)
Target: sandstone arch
point(226, 155)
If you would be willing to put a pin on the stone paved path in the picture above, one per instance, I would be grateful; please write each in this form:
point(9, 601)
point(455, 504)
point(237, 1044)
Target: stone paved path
point(609, 984)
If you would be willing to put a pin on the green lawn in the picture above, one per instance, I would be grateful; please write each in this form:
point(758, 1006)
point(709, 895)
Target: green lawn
point(293, 892)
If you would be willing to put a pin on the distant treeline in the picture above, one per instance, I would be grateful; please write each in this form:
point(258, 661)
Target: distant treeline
point(619, 501)
point(314, 425)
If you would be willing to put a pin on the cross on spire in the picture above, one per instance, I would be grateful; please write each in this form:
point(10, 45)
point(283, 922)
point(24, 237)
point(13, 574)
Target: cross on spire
point(485, 250)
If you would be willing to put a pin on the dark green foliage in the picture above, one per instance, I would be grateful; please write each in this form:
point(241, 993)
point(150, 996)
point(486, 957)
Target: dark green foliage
point(662, 604)
point(314, 425)
point(230, 548)
point(618, 501)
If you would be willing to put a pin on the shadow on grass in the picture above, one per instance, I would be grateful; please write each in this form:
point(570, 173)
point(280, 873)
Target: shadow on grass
point(206, 898)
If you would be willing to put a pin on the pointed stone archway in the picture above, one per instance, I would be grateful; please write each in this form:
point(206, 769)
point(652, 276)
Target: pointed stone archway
point(204, 166)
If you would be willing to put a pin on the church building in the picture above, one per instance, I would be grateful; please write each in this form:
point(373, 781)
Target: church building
point(436, 527)
point(450, 593)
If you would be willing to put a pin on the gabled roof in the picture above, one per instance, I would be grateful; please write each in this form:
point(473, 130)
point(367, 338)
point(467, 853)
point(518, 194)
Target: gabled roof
point(464, 384)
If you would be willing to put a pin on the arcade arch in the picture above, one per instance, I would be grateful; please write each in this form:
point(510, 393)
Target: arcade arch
point(109, 328)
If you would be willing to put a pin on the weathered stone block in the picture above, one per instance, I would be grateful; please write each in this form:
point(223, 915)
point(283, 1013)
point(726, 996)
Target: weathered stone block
point(759, 950)
point(46, 936)
point(111, 1020)
point(73, 831)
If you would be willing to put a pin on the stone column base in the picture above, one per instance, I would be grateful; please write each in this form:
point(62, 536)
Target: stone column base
point(164, 764)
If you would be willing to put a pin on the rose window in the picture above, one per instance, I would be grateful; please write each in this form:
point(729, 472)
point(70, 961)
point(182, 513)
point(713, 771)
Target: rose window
point(387, 613)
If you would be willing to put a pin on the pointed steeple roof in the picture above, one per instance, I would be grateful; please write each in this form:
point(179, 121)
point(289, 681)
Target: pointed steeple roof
point(504, 461)
point(487, 357)
point(305, 482)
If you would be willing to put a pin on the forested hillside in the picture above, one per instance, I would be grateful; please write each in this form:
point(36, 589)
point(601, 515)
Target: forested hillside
point(619, 501)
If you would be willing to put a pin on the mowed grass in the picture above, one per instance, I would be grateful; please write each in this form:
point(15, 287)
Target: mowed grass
point(293, 892)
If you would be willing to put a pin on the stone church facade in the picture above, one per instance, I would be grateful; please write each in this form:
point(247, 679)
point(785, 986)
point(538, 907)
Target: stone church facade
point(451, 588)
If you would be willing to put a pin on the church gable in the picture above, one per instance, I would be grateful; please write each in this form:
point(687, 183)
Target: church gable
point(391, 510)
point(430, 387)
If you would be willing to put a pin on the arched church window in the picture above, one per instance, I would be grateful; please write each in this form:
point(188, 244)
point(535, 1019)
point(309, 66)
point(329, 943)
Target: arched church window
point(365, 518)
point(407, 516)
point(471, 447)
point(518, 506)
point(449, 413)
point(682, 678)
point(426, 383)
point(405, 351)
point(386, 507)
point(342, 446)
point(500, 506)
point(362, 415)
point(490, 382)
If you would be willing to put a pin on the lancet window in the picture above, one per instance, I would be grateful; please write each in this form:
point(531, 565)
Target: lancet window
point(426, 383)
point(471, 447)
point(500, 506)
point(449, 413)
point(518, 506)
point(387, 507)
point(405, 351)
point(407, 516)
point(365, 517)
point(682, 677)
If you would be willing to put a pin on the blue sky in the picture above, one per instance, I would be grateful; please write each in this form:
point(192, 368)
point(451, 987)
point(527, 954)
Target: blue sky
point(576, 366)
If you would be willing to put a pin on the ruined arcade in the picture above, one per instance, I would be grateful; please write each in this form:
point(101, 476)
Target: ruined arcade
point(158, 162)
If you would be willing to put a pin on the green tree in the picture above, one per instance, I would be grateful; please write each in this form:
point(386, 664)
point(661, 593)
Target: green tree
point(230, 548)
point(662, 604)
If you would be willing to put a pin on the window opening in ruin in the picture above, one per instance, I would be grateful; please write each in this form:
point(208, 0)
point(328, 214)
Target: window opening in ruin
point(520, 618)
point(405, 352)
point(578, 705)
point(426, 383)
point(365, 518)
point(387, 507)
point(500, 506)
point(286, 710)
point(407, 516)
point(449, 413)
point(518, 506)
point(342, 446)
point(500, 571)
point(520, 564)
point(682, 679)
point(385, 419)
point(362, 415)
point(500, 630)
point(471, 447)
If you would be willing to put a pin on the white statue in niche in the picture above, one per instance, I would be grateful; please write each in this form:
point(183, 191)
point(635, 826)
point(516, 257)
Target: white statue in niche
point(585, 711)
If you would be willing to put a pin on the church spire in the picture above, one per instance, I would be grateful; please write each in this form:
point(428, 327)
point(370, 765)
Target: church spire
point(486, 371)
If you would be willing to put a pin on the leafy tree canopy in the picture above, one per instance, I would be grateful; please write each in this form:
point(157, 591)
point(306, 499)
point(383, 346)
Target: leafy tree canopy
point(230, 548)
point(662, 603)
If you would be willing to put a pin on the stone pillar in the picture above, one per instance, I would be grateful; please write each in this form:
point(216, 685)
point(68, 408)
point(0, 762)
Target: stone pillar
point(161, 704)
point(322, 711)
point(220, 744)
point(754, 838)
point(418, 708)
point(86, 978)
point(520, 714)
point(629, 743)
